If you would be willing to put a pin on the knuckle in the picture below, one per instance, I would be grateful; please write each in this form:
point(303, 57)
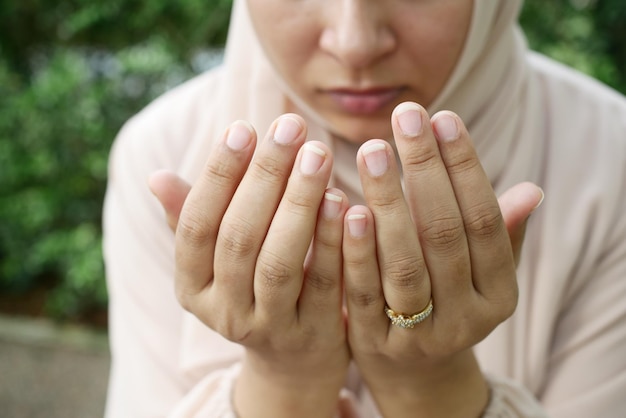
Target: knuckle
point(364, 298)
point(462, 164)
point(419, 160)
point(322, 282)
point(300, 202)
point(274, 272)
point(193, 228)
point(236, 239)
point(386, 202)
point(270, 171)
point(484, 222)
point(327, 243)
point(357, 260)
point(405, 272)
point(219, 174)
point(443, 233)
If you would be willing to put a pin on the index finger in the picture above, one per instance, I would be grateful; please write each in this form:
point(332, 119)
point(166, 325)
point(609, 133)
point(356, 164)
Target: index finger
point(205, 206)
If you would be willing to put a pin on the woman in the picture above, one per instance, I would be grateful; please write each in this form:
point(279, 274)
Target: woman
point(410, 295)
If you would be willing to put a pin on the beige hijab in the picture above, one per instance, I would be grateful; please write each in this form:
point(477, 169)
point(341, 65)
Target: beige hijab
point(484, 89)
point(531, 119)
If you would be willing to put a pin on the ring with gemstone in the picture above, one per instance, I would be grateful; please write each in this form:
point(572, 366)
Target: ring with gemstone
point(409, 321)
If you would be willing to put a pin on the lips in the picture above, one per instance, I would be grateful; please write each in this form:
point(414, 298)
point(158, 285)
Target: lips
point(363, 102)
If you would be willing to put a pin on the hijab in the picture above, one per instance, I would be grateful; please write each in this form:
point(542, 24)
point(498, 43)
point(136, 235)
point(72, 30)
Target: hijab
point(530, 119)
point(485, 89)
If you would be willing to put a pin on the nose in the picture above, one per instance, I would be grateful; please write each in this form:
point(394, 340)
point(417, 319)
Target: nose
point(357, 33)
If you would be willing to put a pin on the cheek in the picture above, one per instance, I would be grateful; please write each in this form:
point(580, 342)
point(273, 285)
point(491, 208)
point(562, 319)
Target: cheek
point(453, 33)
point(287, 35)
point(434, 42)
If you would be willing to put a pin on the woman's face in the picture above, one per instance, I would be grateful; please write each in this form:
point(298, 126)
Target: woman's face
point(353, 61)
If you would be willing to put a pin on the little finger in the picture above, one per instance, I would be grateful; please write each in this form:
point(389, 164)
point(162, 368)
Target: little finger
point(364, 291)
point(321, 296)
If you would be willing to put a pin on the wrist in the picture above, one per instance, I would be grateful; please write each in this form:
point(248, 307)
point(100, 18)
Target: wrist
point(264, 391)
point(452, 388)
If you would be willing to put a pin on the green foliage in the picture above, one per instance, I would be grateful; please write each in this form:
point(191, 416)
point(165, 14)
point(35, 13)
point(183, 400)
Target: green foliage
point(55, 133)
point(183, 26)
point(589, 35)
point(67, 84)
point(72, 72)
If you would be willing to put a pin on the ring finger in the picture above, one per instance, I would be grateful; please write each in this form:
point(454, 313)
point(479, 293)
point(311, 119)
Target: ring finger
point(405, 278)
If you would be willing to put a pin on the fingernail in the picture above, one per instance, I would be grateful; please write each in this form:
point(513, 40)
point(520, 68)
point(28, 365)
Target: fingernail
point(331, 206)
point(239, 135)
point(409, 119)
point(357, 224)
point(287, 130)
point(446, 127)
point(312, 159)
point(376, 159)
point(543, 195)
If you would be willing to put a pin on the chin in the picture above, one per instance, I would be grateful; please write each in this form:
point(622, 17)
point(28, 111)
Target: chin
point(360, 130)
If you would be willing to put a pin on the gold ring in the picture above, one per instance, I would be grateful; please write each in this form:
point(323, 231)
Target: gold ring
point(409, 321)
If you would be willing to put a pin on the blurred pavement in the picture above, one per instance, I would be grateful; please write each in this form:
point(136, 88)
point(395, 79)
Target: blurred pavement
point(48, 370)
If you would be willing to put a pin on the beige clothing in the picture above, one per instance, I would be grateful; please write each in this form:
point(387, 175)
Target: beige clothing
point(563, 353)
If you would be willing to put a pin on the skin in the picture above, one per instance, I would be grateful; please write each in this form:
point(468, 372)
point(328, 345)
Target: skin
point(283, 301)
point(412, 45)
point(283, 274)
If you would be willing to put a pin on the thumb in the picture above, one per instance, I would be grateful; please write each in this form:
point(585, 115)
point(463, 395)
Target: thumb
point(171, 191)
point(516, 205)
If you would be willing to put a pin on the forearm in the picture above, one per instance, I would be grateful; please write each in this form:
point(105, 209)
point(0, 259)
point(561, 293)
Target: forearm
point(454, 389)
point(262, 392)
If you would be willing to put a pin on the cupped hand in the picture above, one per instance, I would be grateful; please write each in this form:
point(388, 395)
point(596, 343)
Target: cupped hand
point(445, 239)
point(258, 259)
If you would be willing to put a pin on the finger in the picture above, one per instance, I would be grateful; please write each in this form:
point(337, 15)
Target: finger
point(321, 296)
point(405, 279)
point(251, 210)
point(493, 268)
point(434, 209)
point(516, 205)
point(279, 270)
point(364, 291)
point(347, 407)
point(204, 207)
point(171, 191)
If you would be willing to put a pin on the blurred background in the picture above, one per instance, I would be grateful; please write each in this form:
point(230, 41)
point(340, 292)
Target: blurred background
point(71, 73)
